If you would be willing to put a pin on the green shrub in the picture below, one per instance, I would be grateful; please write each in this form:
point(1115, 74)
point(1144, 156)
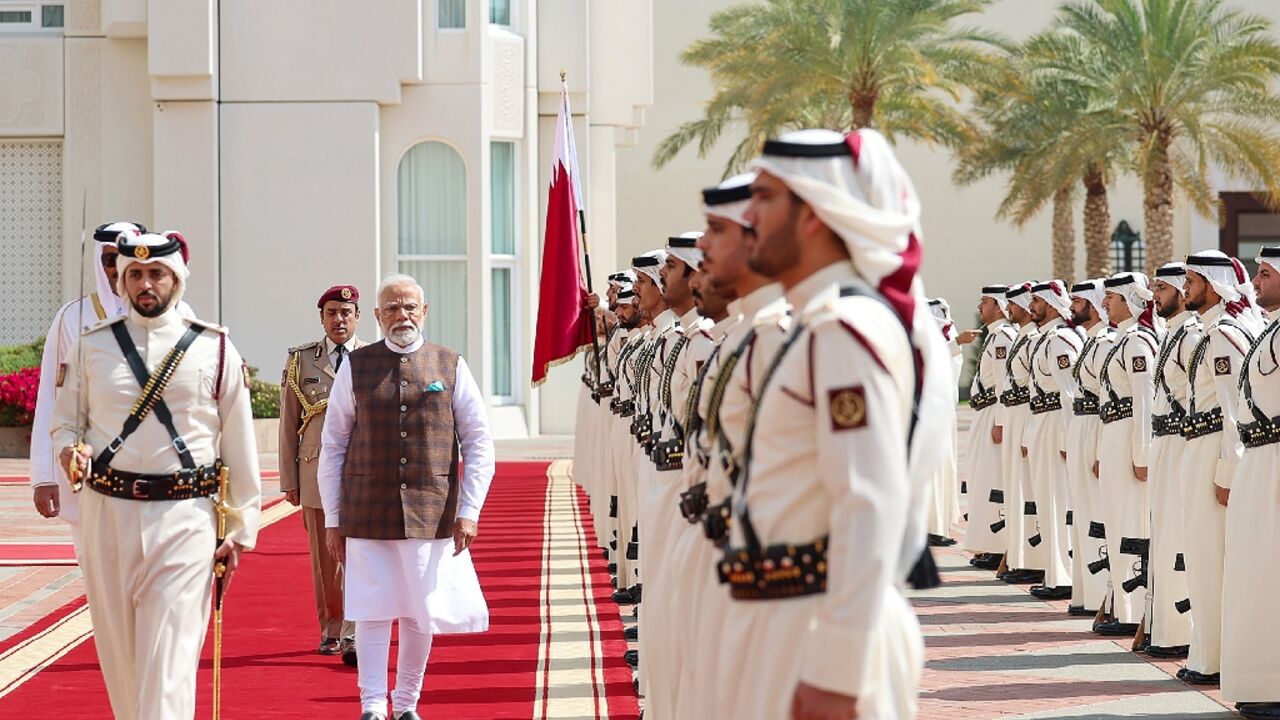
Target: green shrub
point(18, 357)
point(264, 396)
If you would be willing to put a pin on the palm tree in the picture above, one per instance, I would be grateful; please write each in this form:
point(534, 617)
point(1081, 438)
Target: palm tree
point(1192, 82)
point(898, 66)
point(1045, 133)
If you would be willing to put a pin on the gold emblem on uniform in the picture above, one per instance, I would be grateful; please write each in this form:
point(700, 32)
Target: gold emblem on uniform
point(346, 293)
point(1064, 362)
point(142, 252)
point(848, 407)
point(1002, 353)
point(1222, 365)
point(1139, 364)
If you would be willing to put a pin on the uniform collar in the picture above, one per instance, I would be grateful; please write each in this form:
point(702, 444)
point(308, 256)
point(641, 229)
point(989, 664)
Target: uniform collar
point(821, 287)
point(1099, 328)
point(996, 325)
point(165, 319)
point(1181, 319)
point(664, 321)
point(417, 344)
point(1273, 315)
point(690, 320)
point(758, 299)
point(721, 328)
point(330, 347)
point(1124, 326)
point(1213, 314)
point(1052, 324)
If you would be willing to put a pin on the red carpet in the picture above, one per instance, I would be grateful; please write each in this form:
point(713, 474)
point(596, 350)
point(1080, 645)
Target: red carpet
point(37, 554)
point(272, 671)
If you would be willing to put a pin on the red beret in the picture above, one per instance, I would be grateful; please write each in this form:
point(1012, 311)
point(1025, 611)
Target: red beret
point(341, 293)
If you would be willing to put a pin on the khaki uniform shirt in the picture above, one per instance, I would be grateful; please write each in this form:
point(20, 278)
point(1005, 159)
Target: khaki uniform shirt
point(304, 397)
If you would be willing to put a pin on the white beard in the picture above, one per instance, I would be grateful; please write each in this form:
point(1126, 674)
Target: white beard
point(405, 336)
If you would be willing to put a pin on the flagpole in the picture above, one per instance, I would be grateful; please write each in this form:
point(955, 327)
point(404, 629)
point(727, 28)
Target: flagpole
point(586, 261)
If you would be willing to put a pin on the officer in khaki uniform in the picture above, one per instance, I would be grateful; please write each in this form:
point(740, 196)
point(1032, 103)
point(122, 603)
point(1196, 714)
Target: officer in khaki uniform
point(304, 396)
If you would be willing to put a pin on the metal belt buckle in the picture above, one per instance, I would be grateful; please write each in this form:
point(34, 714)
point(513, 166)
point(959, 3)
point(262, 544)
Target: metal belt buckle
point(141, 489)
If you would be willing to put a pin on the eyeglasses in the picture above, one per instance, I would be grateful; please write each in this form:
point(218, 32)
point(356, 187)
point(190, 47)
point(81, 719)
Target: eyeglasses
point(109, 259)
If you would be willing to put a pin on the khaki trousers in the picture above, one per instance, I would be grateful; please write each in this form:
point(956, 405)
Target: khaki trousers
point(326, 579)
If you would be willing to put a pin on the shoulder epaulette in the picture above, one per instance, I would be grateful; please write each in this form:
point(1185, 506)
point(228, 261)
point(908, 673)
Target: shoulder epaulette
point(303, 346)
point(102, 324)
point(207, 325)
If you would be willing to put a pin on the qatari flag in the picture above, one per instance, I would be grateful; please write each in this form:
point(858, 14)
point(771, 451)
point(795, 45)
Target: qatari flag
point(563, 327)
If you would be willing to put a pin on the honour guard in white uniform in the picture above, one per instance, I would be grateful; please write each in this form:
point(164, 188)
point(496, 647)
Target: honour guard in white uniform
point(1089, 574)
point(984, 473)
point(1124, 446)
point(148, 523)
point(1214, 288)
point(1052, 393)
point(1023, 561)
point(1168, 616)
point(829, 511)
point(944, 499)
point(1251, 630)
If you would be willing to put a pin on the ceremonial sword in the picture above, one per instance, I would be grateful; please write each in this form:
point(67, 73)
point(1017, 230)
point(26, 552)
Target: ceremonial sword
point(74, 475)
point(222, 508)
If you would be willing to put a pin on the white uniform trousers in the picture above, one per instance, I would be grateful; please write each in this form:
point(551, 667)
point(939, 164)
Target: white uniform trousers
point(689, 557)
point(1019, 555)
point(659, 493)
point(1167, 579)
point(944, 496)
point(983, 473)
point(761, 650)
point(1205, 521)
point(1251, 580)
point(625, 473)
point(1049, 493)
point(582, 439)
point(1127, 510)
point(148, 571)
point(1088, 590)
point(699, 607)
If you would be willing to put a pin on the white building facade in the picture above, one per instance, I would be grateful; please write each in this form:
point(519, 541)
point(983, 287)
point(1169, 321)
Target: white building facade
point(302, 143)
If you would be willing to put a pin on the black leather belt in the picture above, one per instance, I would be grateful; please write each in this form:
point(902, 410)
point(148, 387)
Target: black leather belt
point(1016, 396)
point(693, 503)
point(1045, 402)
point(1115, 411)
point(1086, 405)
point(1202, 423)
point(1165, 425)
point(181, 485)
point(777, 572)
point(984, 400)
point(1260, 433)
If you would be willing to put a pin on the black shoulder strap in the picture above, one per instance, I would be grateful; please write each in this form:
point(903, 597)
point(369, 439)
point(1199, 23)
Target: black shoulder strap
point(152, 387)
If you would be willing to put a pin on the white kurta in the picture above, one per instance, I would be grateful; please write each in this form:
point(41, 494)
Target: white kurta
point(413, 578)
point(1088, 589)
point(148, 565)
point(1054, 356)
point(983, 470)
point(1017, 469)
point(1251, 574)
point(1208, 462)
point(1122, 446)
point(1167, 578)
point(816, 472)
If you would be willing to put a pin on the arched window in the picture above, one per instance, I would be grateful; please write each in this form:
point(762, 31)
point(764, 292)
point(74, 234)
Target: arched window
point(1128, 254)
point(431, 207)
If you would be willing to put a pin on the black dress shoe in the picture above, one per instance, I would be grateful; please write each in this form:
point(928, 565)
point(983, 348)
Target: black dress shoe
point(1191, 677)
point(605, 551)
point(612, 568)
point(1173, 652)
point(632, 657)
point(372, 716)
point(1025, 577)
point(987, 561)
point(348, 646)
point(409, 715)
point(940, 541)
point(627, 596)
point(632, 633)
point(1081, 611)
point(1115, 628)
point(1051, 593)
point(1260, 710)
point(1144, 644)
point(328, 646)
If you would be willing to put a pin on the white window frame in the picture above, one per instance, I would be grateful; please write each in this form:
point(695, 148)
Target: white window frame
point(36, 25)
point(511, 263)
point(511, 15)
point(441, 28)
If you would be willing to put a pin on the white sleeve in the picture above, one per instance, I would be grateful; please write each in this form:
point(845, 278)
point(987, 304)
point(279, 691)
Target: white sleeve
point(239, 450)
point(1223, 348)
point(1142, 384)
point(42, 462)
point(471, 423)
point(339, 418)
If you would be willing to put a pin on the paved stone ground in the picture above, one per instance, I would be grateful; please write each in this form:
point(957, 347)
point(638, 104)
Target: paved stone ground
point(993, 650)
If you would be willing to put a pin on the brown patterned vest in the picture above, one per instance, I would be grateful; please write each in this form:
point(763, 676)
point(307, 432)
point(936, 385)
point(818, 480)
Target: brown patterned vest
point(400, 478)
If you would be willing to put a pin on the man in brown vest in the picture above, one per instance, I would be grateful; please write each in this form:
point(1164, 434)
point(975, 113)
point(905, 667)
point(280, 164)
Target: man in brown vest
point(397, 512)
point(304, 395)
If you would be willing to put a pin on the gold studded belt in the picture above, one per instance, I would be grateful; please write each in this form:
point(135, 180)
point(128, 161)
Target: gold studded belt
point(1085, 405)
point(1202, 423)
point(984, 400)
point(1045, 402)
point(181, 485)
point(1116, 410)
point(776, 572)
point(1258, 434)
point(1015, 396)
point(1165, 425)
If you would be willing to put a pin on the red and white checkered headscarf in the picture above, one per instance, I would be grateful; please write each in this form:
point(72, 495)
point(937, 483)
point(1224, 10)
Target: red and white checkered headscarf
point(1230, 280)
point(1054, 292)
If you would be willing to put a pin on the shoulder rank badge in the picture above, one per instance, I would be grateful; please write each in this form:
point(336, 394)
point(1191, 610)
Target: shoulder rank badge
point(1140, 364)
point(1002, 353)
point(1222, 365)
point(848, 407)
point(1064, 362)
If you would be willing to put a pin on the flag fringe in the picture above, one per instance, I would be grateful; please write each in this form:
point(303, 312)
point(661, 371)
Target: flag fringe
point(546, 367)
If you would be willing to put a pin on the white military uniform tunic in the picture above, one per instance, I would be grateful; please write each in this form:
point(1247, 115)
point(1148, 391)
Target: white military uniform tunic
point(944, 491)
point(983, 469)
point(622, 448)
point(817, 472)
point(1017, 469)
point(1251, 576)
point(148, 564)
point(1208, 462)
point(1167, 575)
point(1088, 589)
point(1053, 357)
